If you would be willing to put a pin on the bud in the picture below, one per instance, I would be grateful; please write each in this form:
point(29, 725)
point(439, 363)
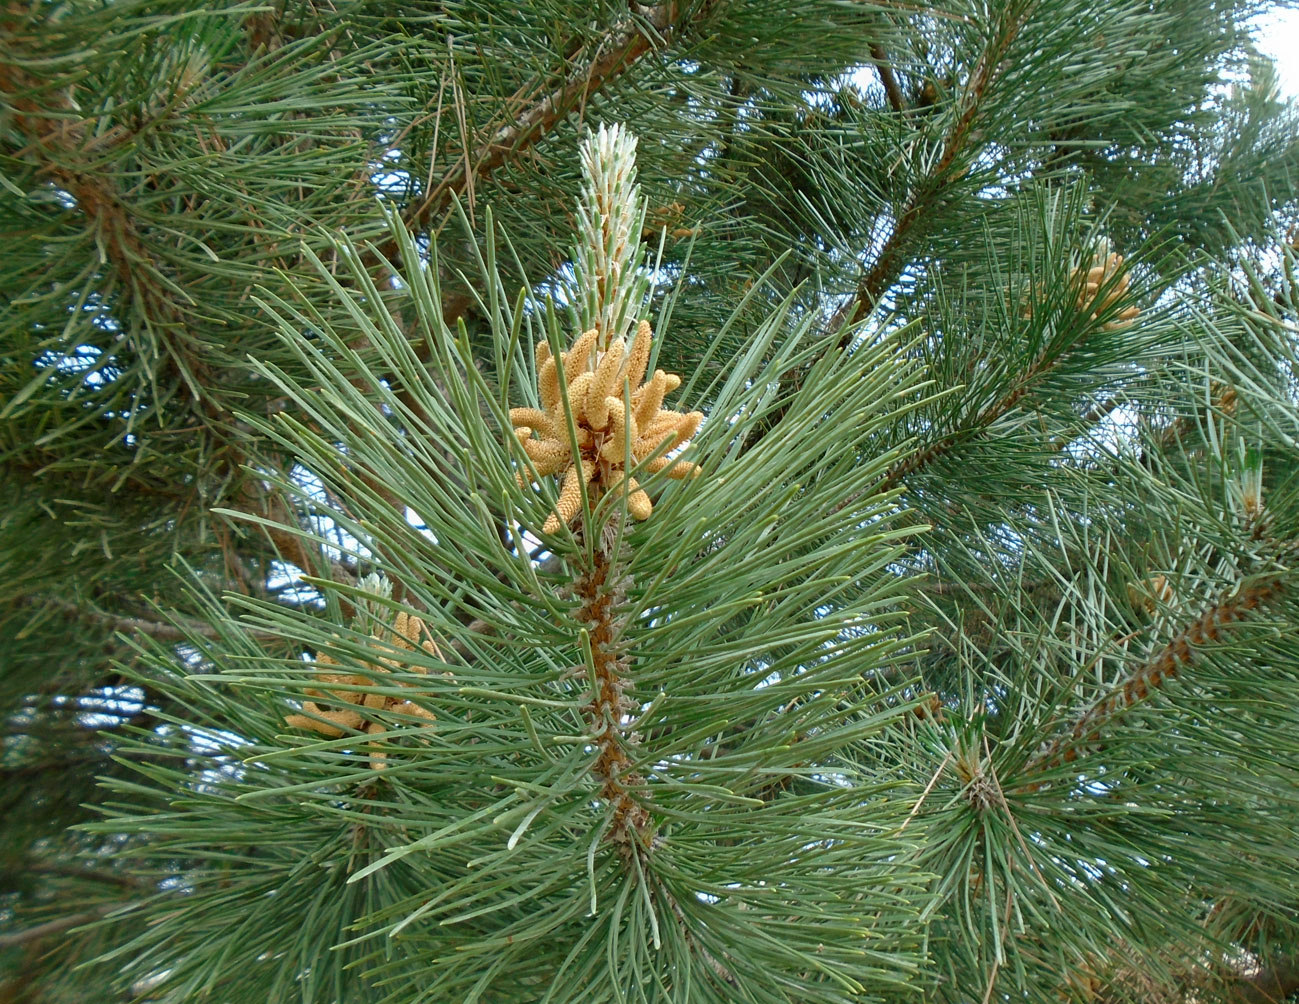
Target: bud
point(1247, 486)
point(609, 284)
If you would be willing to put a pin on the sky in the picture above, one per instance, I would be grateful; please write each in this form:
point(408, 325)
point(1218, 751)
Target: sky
point(1278, 37)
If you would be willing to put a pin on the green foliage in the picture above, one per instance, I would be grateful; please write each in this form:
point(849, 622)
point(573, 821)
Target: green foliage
point(964, 671)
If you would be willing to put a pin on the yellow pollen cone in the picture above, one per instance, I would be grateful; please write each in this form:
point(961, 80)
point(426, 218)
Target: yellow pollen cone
point(652, 398)
point(548, 384)
point(615, 446)
point(532, 418)
point(541, 450)
point(576, 399)
point(638, 358)
point(579, 356)
point(570, 497)
point(602, 384)
point(638, 503)
point(674, 468)
point(687, 427)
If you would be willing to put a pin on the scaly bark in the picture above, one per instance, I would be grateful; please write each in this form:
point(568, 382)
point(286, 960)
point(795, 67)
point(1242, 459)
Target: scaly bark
point(602, 589)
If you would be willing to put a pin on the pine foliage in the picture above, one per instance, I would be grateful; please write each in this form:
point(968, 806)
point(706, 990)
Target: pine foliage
point(717, 500)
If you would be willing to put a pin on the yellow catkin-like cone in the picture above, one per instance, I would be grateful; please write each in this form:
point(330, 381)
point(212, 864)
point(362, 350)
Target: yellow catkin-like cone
point(335, 724)
point(542, 353)
point(550, 465)
point(1122, 319)
point(378, 758)
point(638, 357)
point(407, 634)
point(1094, 302)
point(414, 710)
point(576, 399)
point(615, 447)
point(606, 375)
point(638, 503)
point(409, 630)
point(532, 418)
point(546, 450)
point(687, 426)
point(548, 384)
point(676, 469)
point(647, 445)
point(578, 358)
point(651, 398)
point(570, 497)
point(665, 423)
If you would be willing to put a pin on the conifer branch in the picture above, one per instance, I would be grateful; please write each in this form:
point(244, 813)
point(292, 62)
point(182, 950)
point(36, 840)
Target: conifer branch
point(603, 590)
point(122, 881)
point(927, 193)
point(57, 926)
point(646, 30)
point(985, 419)
point(887, 78)
point(159, 630)
point(56, 138)
point(1150, 675)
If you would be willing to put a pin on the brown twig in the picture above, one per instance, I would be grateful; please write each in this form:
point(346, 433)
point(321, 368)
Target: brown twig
point(602, 590)
point(924, 195)
point(890, 82)
point(88, 874)
point(614, 55)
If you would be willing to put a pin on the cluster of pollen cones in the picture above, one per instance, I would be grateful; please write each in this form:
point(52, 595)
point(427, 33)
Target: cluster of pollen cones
point(619, 422)
point(1105, 274)
point(408, 632)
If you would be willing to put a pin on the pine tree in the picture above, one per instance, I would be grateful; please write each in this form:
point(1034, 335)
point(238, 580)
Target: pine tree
point(709, 501)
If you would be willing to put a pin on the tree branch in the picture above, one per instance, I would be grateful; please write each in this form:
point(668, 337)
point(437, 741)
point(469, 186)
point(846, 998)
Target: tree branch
point(59, 925)
point(1150, 675)
point(617, 52)
point(889, 261)
point(890, 82)
point(88, 874)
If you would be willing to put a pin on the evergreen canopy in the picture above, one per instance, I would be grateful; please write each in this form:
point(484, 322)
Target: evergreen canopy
point(839, 545)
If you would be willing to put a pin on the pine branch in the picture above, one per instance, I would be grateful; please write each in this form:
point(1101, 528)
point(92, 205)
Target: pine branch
point(928, 192)
point(88, 874)
point(159, 630)
point(1230, 608)
point(58, 140)
point(648, 29)
point(983, 421)
point(602, 590)
point(890, 82)
point(1093, 417)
